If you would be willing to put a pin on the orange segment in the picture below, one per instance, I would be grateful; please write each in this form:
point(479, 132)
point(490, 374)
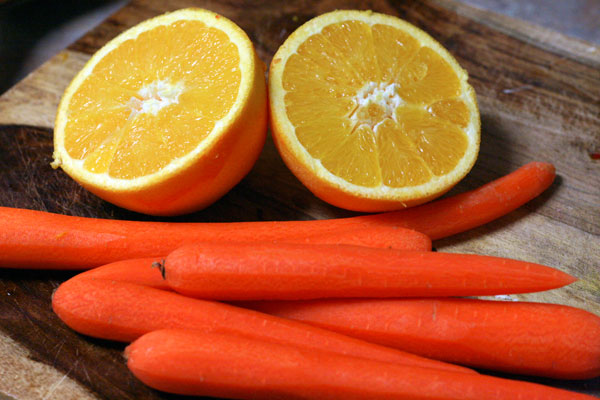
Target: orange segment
point(400, 160)
point(439, 144)
point(93, 128)
point(371, 113)
point(356, 151)
point(329, 65)
point(453, 110)
point(427, 78)
point(321, 138)
point(353, 41)
point(166, 117)
point(394, 48)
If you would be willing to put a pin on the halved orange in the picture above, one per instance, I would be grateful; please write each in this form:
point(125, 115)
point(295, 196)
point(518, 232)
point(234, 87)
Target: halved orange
point(370, 112)
point(166, 117)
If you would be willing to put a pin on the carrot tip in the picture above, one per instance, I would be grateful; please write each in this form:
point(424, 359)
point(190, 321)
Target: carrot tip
point(566, 277)
point(548, 166)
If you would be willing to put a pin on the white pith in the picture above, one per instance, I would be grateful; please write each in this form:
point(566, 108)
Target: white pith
point(384, 95)
point(154, 97)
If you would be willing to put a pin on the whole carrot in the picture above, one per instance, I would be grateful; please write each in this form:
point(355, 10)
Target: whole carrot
point(265, 271)
point(468, 210)
point(122, 311)
point(518, 337)
point(36, 239)
point(229, 366)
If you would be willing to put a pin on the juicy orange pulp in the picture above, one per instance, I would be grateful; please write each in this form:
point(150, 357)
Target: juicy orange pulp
point(134, 118)
point(166, 117)
point(390, 93)
point(376, 105)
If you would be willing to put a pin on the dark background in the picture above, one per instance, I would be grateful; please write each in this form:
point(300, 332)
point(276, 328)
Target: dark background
point(32, 31)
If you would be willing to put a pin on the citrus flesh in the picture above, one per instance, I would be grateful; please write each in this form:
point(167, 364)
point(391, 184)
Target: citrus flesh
point(371, 113)
point(166, 117)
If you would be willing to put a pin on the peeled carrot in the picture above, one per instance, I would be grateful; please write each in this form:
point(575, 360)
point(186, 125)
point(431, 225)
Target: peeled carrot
point(36, 239)
point(229, 366)
point(468, 210)
point(123, 311)
point(518, 337)
point(485, 334)
point(286, 271)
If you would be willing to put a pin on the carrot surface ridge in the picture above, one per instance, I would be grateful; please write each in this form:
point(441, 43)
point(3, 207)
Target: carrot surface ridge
point(37, 239)
point(525, 338)
point(289, 271)
point(230, 366)
point(122, 311)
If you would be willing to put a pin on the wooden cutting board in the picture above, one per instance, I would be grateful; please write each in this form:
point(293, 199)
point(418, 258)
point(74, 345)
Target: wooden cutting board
point(539, 95)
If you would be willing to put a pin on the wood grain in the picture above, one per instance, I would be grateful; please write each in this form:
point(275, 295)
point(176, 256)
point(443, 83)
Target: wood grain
point(33, 101)
point(539, 96)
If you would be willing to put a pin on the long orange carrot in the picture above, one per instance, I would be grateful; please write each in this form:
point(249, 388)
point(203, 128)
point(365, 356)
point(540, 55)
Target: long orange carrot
point(486, 334)
point(229, 366)
point(519, 337)
point(253, 271)
point(468, 210)
point(123, 311)
point(35, 239)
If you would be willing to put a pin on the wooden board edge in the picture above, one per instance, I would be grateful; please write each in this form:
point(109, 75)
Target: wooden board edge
point(34, 99)
point(552, 41)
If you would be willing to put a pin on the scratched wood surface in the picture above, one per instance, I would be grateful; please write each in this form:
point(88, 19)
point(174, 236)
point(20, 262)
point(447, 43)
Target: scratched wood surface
point(539, 95)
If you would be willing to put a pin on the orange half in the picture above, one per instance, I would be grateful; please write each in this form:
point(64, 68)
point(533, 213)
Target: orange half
point(370, 112)
point(166, 117)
